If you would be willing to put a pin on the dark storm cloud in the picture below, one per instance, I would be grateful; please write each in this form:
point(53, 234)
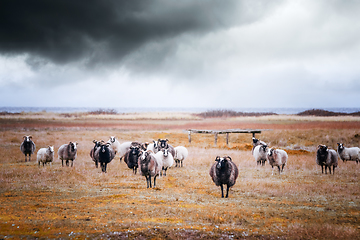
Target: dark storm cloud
point(104, 31)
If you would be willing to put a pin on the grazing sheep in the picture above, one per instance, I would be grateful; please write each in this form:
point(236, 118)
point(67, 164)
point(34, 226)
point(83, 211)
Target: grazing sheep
point(105, 154)
point(326, 157)
point(45, 155)
point(149, 167)
point(224, 171)
point(260, 153)
point(277, 157)
point(256, 142)
point(181, 154)
point(115, 145)
point(68, 152)
point(348, 154)
point(93, 150)
point(163, 143)
point(27, 147)
point(131, 157)
point(166, 158)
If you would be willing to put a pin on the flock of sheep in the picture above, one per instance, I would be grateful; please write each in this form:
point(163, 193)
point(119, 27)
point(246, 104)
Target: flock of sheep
point(154, 159)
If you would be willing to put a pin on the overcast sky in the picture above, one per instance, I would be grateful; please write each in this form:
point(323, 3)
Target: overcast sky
point(188, 53)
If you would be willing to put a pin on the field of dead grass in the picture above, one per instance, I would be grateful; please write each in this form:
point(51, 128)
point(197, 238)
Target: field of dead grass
point(82, 202)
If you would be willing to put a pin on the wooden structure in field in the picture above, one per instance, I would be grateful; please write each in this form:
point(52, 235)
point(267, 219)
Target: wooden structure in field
point(227, 132)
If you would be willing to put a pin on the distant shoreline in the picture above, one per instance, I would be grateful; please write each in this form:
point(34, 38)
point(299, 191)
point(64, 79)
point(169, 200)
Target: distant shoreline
point(241, 111)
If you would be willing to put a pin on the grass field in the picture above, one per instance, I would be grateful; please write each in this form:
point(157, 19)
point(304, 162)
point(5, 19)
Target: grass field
point(83, 202)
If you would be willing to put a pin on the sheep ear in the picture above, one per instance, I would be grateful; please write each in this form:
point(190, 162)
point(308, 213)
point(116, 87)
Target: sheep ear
point(228, 157)
point(338, 144)
point(167, 140)
point(30, 136)
point(217, 158)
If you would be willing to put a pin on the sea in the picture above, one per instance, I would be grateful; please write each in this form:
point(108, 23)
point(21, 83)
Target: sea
point(190, 110)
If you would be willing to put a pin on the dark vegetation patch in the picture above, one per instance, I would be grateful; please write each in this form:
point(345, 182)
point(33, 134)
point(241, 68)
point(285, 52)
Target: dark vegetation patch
point(325, 113)
point(230, 113)
point(4, 113)
point(104, 112)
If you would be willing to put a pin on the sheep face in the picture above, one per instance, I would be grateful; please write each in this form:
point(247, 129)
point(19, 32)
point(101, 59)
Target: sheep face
point(165, 152)
point(255, 140)
point(51, 149)
point(103, 148)
point(221, 161)
point(73, 146)
point(144, 156)
point(112, 139)
point(271, 152)
point(27, 138)
point(340, 146)
point(263, 148)
point(135, 150)
point(322, 150)
point(163, 143)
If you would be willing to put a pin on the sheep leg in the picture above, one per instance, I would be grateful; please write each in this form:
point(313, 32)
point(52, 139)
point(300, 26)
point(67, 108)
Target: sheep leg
point(176, 161)
point(330, 169)
point(181, 163)
point(326, 169)
point(282, 169)
point(62, 162)
point(227, 190)
point(96, 164)
point(333, 169)
point(165, 171)
point(222, 191)
point(72, 163)
point(155, 181)
point(279, 169)
point(148, 181)
point(322, 169)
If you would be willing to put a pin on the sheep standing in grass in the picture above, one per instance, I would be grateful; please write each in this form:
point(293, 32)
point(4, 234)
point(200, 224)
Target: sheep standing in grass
point(260, 154)
point(224, 171)
point(277, 157)
point(149, 167)
point(256, 142)
point(131, 157)
point(105, 154)
point(166, 158)
point(181, 154)
point(68, 152)
point(326, 157)
point(45, 155)
point(115, 145)
point(164, 143)
point(348, 154)
point(93, 150)
point(27, 147)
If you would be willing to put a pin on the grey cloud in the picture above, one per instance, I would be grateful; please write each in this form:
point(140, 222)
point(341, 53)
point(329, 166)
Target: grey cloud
point(97, 31)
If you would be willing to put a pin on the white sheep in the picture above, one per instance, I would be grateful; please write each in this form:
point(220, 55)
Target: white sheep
point(45, 155)
point(153, 147)
point(123, 148)
point(181, 154)
point(114, 143)
point(165, 157)
point(277, 157)
point(348, 154)
point(260, 154)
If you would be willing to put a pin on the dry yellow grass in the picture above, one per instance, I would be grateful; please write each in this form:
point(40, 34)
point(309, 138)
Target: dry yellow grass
point(80, 202)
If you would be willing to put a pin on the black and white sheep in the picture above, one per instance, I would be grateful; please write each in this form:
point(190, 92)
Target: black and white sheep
point(181, 154)
point(45, 155)
point(326, 157)
point(278, 158)
point(27, 147)
point(224, 171)
point(260, 154)
point(153, 146)
point(256, 142)
point(131, 157)
point(164, 143)
point(93, 150)
point(348, 154)
point(105, 154)
point(167, 160)
point(149, 167)
point(125, 147)
point(68, 152)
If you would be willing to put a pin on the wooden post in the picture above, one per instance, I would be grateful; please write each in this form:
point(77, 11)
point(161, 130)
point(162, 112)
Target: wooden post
point(216, 138)
point(227, 139)
point(189, 136)
point(253, 134)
